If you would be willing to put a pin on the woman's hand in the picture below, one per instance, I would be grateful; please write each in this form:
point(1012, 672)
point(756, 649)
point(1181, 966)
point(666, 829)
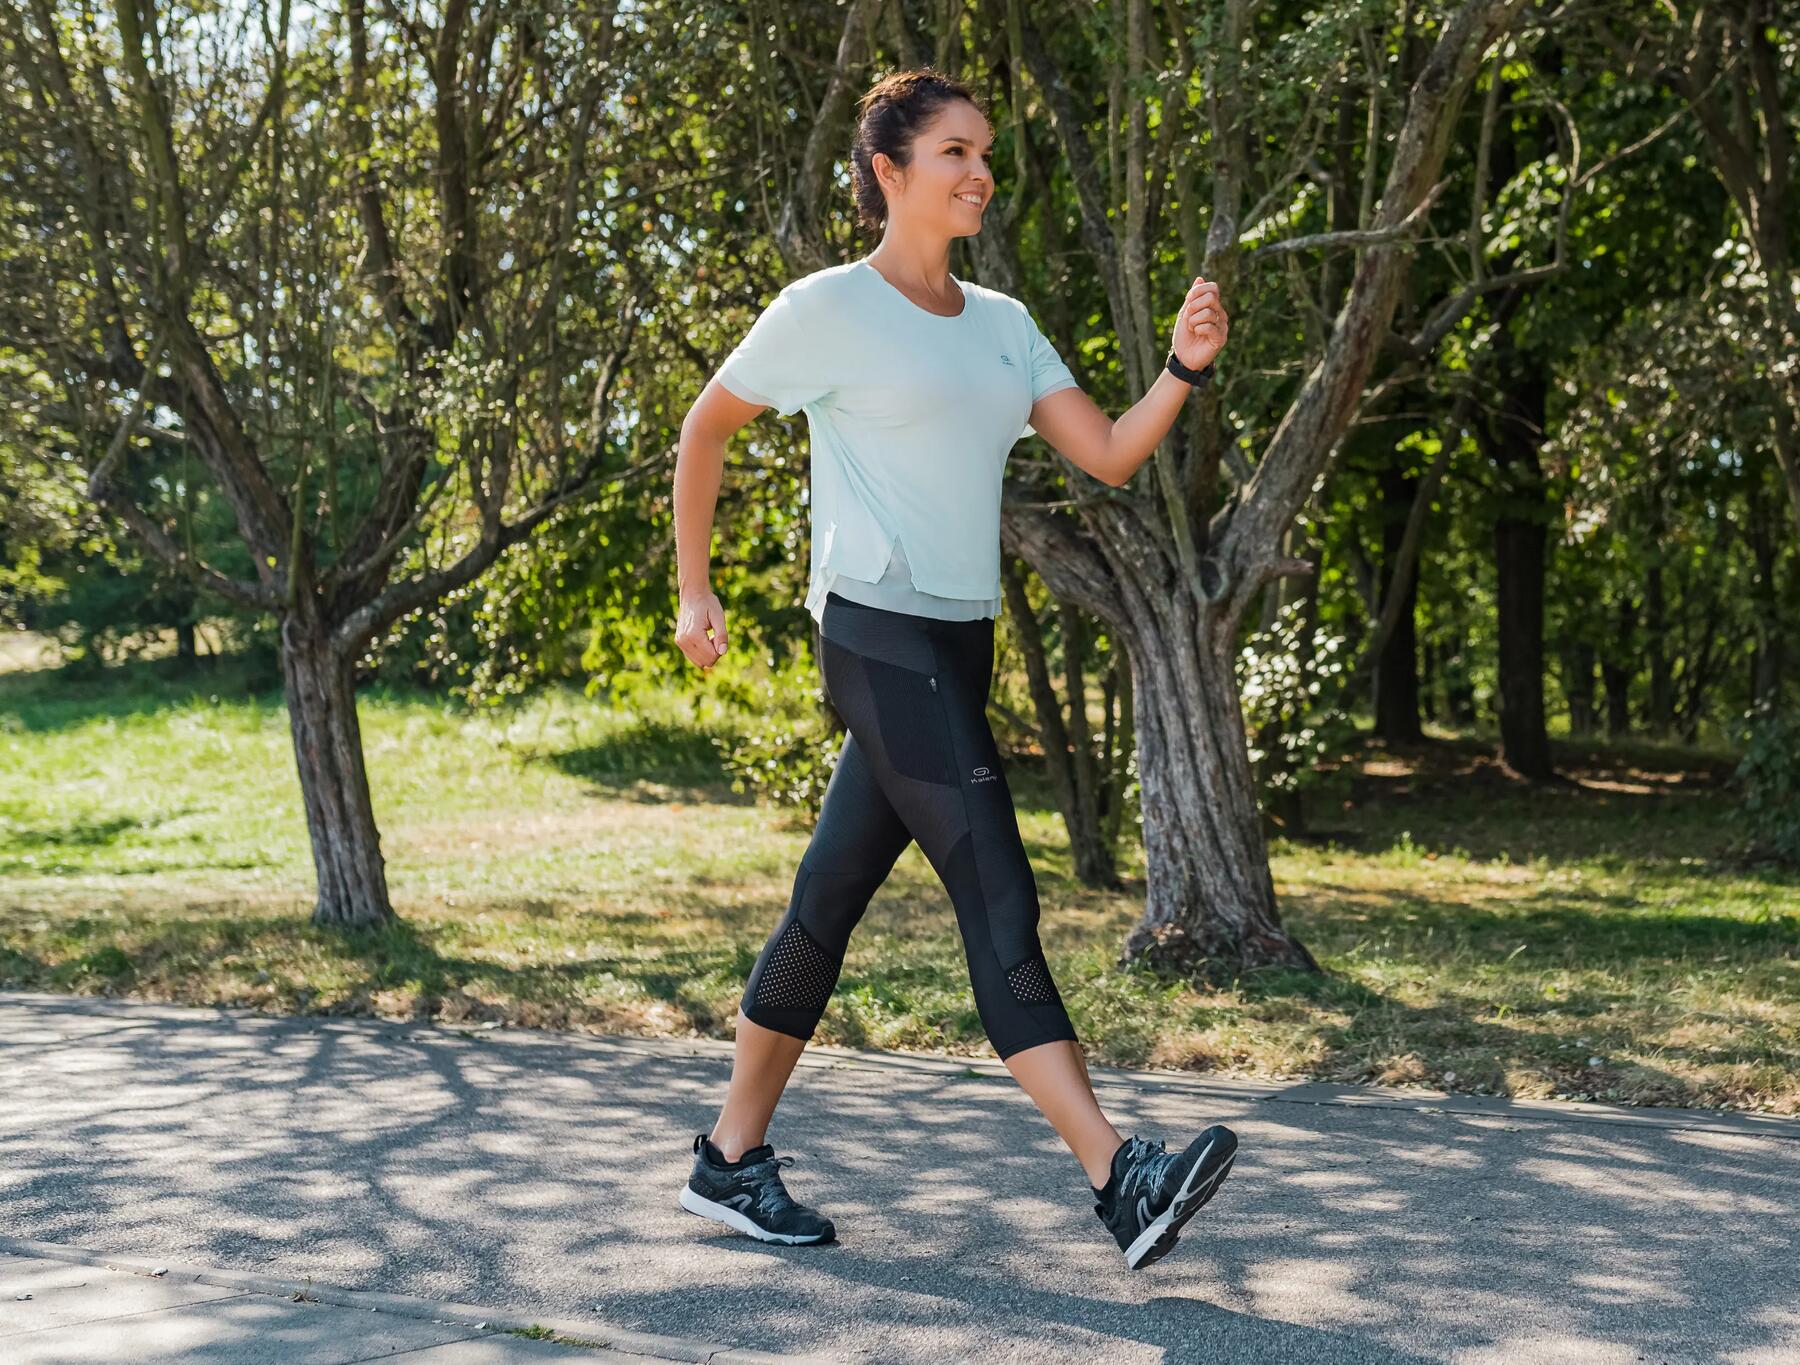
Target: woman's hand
point(1201, 327)
point(699, 613)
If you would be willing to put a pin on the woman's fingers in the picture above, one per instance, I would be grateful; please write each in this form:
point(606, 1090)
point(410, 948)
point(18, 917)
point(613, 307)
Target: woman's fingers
point(693, 621)
point(1203, 313)
point(716, 619)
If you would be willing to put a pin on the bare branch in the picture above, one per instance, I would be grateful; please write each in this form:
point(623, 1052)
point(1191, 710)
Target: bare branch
point(257, 596)
point(101, 473)
point(1309, 431)
point(1355, 236)
point(1064, 558)
point(159, 138)
point(797, 235)
point(378, 259)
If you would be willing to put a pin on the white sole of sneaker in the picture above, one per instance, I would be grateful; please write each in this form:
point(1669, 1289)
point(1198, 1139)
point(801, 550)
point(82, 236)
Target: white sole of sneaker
point(719, 1213)
point(1192, 1194)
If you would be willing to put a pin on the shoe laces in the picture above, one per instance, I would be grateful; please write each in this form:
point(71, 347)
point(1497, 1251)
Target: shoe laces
point(765, 1175)
point(1146, 1163)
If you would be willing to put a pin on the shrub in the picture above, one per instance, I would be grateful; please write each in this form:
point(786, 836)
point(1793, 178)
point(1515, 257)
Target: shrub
point(781, 760)
point(784, 747)
point(1294, 713)
point(1768, 777)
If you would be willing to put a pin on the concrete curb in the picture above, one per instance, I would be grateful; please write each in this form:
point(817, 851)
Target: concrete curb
point(585, 1331)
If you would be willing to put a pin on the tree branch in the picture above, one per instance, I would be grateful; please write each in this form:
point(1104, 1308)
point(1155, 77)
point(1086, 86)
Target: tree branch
point(1309, 431)
point(1355, 236)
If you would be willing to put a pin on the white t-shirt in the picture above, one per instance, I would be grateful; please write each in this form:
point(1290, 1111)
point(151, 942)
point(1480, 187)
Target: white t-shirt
point(912, 417)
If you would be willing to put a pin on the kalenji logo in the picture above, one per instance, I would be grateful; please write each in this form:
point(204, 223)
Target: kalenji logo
point(1005, 359)
point(984, 775)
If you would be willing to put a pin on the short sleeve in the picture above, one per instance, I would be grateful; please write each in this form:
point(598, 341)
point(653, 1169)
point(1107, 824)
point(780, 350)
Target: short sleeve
point(1046, 367)
point(775, 364)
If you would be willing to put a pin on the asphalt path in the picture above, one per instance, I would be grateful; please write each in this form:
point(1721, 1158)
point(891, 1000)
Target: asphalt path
point(540, 1171)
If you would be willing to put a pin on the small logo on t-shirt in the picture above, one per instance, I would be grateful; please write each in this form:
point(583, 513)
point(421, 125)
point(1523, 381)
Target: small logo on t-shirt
point(1005, 359)
point(983, 775)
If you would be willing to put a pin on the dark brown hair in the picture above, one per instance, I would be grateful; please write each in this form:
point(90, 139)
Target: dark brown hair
point(893, 113)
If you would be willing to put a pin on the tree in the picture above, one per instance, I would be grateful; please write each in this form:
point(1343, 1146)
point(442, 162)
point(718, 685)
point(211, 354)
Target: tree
point(332, 261)
point(1167, 569)
point(1728, 63)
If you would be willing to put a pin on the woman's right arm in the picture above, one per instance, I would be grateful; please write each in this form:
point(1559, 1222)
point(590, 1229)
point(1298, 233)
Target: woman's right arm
point(709, 426)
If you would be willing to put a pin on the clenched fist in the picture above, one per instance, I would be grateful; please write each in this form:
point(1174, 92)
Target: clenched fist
point(697, 615)
point(1201, 327)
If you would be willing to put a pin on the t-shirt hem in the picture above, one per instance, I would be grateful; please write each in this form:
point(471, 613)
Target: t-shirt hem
point(961, 590)
point(828, 580)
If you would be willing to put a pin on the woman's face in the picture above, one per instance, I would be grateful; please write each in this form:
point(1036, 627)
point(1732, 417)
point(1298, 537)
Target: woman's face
point(949, 169)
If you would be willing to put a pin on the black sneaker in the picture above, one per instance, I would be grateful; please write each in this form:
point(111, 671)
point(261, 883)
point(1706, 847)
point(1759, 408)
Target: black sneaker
point(1153, 1192)
point(747, 1194)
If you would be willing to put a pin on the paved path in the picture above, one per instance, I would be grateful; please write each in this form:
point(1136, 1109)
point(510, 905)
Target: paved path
point(60, 1305)
point(539, 1171)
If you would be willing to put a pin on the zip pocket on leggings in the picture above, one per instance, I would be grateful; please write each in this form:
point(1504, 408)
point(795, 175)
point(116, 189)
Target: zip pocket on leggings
point(914, 729)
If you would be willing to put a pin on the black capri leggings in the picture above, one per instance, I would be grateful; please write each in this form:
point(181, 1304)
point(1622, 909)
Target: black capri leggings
point(919, 762)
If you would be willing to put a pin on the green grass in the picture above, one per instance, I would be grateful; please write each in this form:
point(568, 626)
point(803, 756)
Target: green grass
point(565, 864)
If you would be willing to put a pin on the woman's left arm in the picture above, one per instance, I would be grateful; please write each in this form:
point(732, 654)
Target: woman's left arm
point(1112, 450)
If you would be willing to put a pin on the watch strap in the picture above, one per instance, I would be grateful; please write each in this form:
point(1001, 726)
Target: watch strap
point(1180, 371)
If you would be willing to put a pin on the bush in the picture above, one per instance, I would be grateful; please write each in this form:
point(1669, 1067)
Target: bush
point(785, 747)
point(1768, 777)
point(1294, 713)
point(782, 760)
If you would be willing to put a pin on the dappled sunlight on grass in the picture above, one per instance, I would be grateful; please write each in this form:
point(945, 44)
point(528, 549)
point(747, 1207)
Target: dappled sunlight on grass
point(564, 864)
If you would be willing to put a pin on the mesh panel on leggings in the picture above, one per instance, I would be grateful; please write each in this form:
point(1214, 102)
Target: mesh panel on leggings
point(799, 974)
point(1031, 982)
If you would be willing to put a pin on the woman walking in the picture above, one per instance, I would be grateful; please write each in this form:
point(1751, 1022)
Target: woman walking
point(916, 385)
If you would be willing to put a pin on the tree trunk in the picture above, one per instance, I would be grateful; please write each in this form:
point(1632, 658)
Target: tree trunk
point(1459, 687)
point(1211, 896)
point(346, 847)
point(1660, 719)
point(1578, 688)
point(1519, 556)
point(1615, 671)
point(1397, 666)
point(1082, 792)
point(1520, 540)
point(1766, 657)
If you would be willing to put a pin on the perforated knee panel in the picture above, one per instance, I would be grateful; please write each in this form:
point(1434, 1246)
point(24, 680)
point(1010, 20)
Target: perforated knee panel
point(1031, 983)
point(798, 974)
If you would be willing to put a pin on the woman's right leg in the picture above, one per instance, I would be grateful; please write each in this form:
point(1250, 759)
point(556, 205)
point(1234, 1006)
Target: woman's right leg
point(853, 848)
point(760, 1066)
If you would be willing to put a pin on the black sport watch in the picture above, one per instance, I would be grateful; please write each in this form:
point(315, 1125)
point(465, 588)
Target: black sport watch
point(1180, 371)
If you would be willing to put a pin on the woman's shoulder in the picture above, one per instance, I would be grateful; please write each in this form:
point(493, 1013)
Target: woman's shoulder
point(994, 301)
point(821, 285)
point(989, 295)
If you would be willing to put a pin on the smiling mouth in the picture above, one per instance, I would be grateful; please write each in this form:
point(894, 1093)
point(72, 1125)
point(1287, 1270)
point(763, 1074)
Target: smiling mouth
point(975, 201)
